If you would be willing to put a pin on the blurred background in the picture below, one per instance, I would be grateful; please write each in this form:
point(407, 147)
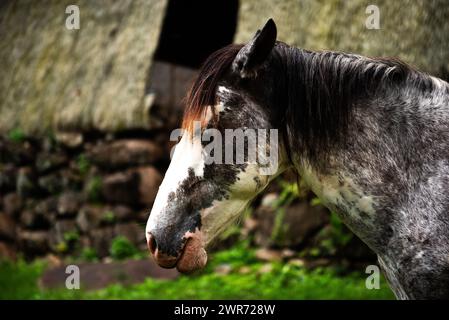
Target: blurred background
point(86, 116)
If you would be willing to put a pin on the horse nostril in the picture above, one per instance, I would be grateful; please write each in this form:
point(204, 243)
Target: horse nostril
point(152, 244)
point(163, 259)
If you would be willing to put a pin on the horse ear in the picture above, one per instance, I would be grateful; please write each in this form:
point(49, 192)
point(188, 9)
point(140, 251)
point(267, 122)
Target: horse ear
point(254, 53)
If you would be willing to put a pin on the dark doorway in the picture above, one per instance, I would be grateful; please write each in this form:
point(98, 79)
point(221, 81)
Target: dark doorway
point(193, 29)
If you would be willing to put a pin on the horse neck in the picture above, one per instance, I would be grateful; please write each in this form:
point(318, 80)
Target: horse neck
point(320, 90)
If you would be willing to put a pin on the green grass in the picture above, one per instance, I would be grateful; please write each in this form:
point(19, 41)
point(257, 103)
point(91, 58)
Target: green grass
point(281, 281)
point(19, 280)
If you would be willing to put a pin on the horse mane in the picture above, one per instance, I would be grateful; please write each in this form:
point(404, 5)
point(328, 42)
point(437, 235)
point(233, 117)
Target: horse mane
point(314, 92)
point(318, 92)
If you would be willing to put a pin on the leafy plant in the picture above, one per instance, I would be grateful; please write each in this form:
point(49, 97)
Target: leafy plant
point(16, 135)
point(290, 192)
point(62, 247)
point(315, 202)
point(71, 236)
point(89, 254)
point(109, 217)
point(279, 227)
point(93, 189)
point(340, 234)
point(122, 248)
point(336, 235)
point(83, 164)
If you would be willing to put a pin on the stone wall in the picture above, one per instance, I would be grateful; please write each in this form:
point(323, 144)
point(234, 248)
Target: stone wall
point(69, 196)
point(64, 198)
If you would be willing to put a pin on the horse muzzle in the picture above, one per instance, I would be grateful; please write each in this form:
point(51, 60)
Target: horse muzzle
point(191, 257)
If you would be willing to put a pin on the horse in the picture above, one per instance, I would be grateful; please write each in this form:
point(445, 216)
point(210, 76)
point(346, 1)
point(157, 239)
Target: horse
point(369, 136)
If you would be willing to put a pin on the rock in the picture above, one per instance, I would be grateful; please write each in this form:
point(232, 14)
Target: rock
point(93, 216)
point(7, 251)
point(125, 153)
point(72, 179)
point(249, 225)
point(96, 275)
point(132, 187)
point(19, 153)
point(356, 250)
point(264, 225)
point(142, 215)
point(321, 262)
point(132, 231)
point(47, 207)
point(69, 203)
point(295, 224)
point(32, 220)
point(150, 180)
point(223, 269)
point(287, 253)
point(121, 187)
point(12, 204)
point(244, 270)
point(48, 161)
point(107, 260)
point(8, 174)
point(85, 242)
point(63, 231)
point(26, 182)
point(51, 183)
point(90, 217)
point(102, 240)
point(7, 227)
point(266, 268)
point(265, 254)
point(297, 262)
point(303, 220)
point(53, 261)
point(123, 213)
point(69, 139)
point(33, 242)
point(269, 199)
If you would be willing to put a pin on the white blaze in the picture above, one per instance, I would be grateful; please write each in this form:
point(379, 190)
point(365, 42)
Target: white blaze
point(187, 155)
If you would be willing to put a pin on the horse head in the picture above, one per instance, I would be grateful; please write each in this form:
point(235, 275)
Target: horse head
point(228, 153)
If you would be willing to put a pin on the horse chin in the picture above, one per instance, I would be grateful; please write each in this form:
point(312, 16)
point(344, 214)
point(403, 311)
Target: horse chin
point(194, 256)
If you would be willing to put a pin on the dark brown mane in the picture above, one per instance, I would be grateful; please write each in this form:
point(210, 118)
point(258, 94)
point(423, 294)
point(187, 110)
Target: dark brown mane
point(319, 90)
point(203, 90)
point(314, 92)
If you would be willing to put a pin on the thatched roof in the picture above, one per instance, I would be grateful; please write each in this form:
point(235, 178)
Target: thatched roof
point(94, 77)
point(416, 31)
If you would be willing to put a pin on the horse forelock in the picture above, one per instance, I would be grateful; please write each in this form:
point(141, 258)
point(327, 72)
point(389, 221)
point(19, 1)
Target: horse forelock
point(202, 94)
